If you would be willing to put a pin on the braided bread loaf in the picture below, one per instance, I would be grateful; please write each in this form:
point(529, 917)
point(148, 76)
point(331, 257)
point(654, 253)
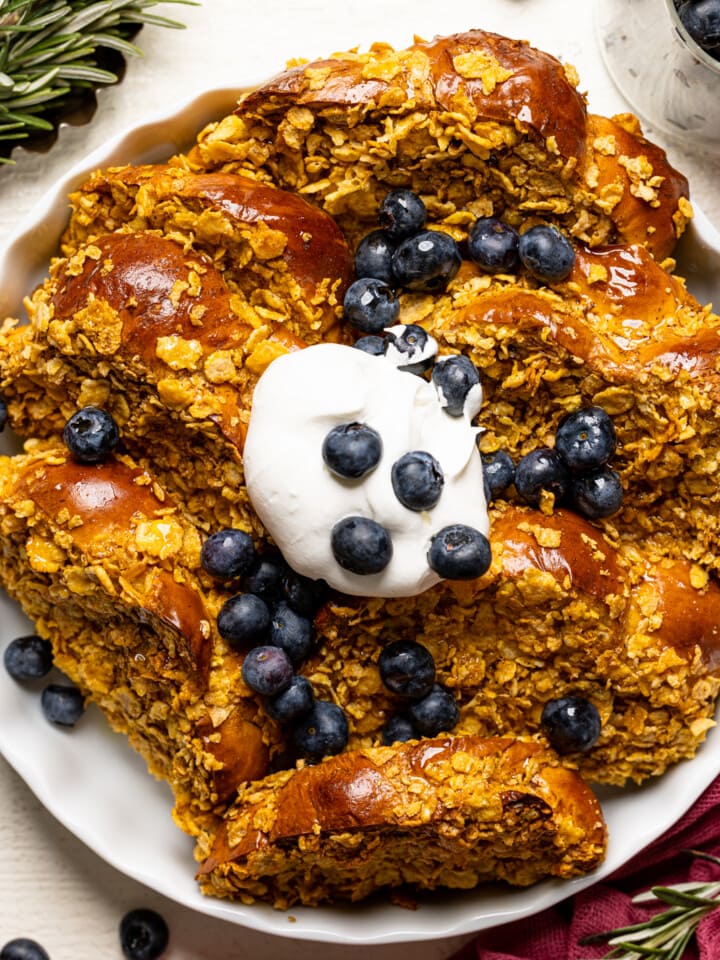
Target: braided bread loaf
point(179, 284)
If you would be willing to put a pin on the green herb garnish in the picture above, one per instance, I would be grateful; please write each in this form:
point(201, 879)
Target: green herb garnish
point(49, 53)
point(666, 934)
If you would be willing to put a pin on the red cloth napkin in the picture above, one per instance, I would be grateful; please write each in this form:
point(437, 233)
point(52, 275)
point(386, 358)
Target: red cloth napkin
point(554, 934)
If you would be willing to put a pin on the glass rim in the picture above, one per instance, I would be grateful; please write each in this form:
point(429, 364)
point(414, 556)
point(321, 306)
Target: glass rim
point(701, 55)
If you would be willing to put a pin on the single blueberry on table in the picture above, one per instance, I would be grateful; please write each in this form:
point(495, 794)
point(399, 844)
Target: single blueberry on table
point(398, 729)
point(352, 450)
point(322, 733)
point(371, 344)
point(436, 713)
point(586, 438)
point(493, 245)
point(407, 668)
point(417, 480)
point(144, 934)
point(541, 469)
point(427, 261)
point(597, 494)
point(454, 378)
point(498, 472)
point(267, 670)
point(28, 658)
point(244, 620)
point(410, 348)
point(292, 632)
point(91, 435)
point(701, 19)
point(459, 552)
point(227, 554)
point(402, 214)
point(3, 414)
point(546, 253)
point(370, 305)
point(361, 545)
point(21, 948)
point(304, 594)
point(571, 724)
point(62, 704)
point(293, 703)
point(265, 578)
point(373, 257)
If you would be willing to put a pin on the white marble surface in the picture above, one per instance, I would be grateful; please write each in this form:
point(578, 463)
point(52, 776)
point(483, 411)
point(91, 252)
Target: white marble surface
point(52, 888)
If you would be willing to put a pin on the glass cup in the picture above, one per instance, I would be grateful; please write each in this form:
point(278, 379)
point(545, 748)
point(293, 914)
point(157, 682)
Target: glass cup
point(666, 77)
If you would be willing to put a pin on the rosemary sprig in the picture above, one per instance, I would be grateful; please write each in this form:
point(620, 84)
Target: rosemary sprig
point(49, 53)
point(666, 934)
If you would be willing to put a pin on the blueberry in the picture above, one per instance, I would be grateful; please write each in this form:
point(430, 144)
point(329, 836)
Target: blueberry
point(493, 245)
point(459, 552)
point(597, 494)
point(399, 729)
point(410, 348)
point(436, 713)
point(546, 253)
point(303, 594)
point(361, 545)
point(294, 702)
point(3, 414)
point(265, 578)
point(143, 934)
point(291, 632)
point(373, 257)
point(352, 450)
point(62, 704)
point(322, 733)
point(498, 472)
point(244, 620)
point(402, 214)
point(455, 379)
point(23, 949)
point(227, 554)
point(370, 305)
point(417, 480)
point(91, 435)
point(571, 724)
point(426, 261)
point(541, 469)
point(586, 438)
point(371, 344)
point(267, 670)
point(701, 19)
point(407, 668)
point(28, 658)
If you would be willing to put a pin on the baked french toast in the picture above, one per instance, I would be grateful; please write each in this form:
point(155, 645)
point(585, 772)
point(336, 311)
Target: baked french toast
point(177, 292)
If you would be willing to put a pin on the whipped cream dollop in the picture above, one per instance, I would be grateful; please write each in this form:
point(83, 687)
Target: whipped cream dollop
point(297, 401)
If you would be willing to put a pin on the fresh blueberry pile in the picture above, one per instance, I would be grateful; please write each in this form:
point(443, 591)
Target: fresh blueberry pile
point(404, 255)
point(571, 724)
point(362, 545)
point(407, 669)
point(30, 658)
point(701, 19)
point(272, 622)
point(575, 471)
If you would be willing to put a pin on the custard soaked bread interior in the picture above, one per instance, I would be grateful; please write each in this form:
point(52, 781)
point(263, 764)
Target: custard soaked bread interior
point(179, 284)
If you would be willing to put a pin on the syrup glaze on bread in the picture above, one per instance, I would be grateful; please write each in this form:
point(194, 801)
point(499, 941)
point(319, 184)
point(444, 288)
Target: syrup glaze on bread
point(178, 284)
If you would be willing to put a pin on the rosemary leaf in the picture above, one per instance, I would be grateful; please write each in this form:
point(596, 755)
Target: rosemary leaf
point(51, 52)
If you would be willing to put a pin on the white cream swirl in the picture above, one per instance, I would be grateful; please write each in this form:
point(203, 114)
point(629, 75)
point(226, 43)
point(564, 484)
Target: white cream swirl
point(297, 401)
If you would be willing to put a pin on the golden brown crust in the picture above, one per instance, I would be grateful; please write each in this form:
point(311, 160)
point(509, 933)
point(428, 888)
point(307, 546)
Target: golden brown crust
point(470, 799)
point(477, 103)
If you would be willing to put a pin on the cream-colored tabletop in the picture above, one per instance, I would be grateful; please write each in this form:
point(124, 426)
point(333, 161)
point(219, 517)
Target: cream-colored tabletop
point(52, 887)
